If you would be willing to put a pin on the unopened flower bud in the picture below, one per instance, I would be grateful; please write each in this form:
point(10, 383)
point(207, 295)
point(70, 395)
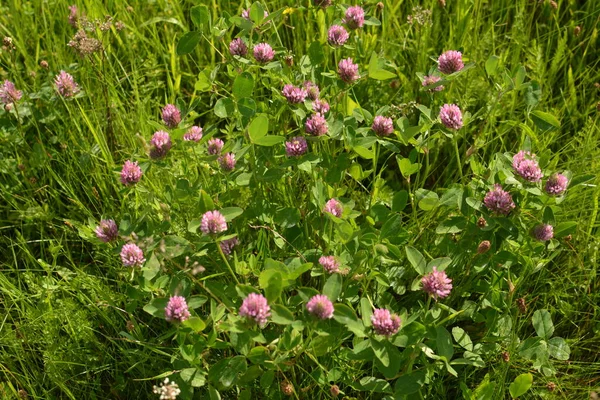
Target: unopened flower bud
point(506, 356)
point(481, 222)
point(551, 386)
point(484, 247)
point(287, 388)
point(522, 305)
point(334, 390)
point(577, 30)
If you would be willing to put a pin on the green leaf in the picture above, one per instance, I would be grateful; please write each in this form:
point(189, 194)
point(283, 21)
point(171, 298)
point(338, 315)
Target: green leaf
point(224, 107)
point(281, 315)
point(247, 107)
point(364, 152)
point(231, 212)
point(376, 69)
point(407, 168)
point(444, 343)
point(366, 311)
point(151, 268)
point(399, 201)
point(315, 53)
point(409, 383)
point(521, 385)
point(391, 227)
point(200, 17)
point(347, 317)
point(491, 64)
point(565, 228)
point(195, 323)
point(257, 13)
point(333, 287)
point(243, 86)
point(380, 352)
point(462, 338)
point(271, 282)
point(544, 121)
point(429, 201)
point(193, 376)
point(205, 202)
point(258, 127)
point(204, 82)
point(188, 42)
point(558, 348)
point(542, 322)
point(269, 140)
point(416, 259)
point(156, 307)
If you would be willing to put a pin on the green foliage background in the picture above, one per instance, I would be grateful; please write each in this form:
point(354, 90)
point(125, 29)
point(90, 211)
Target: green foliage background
point(64, 306)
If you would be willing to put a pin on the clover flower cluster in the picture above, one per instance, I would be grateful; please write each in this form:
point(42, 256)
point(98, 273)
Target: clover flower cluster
point(177, 309)
point(320, 306)
point(384, 322)
point(437, 284)
point(256, 307)
point(334, 208)
point(526, 166)
point(213, 222)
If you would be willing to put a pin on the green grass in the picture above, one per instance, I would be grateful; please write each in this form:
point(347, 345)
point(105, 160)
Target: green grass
point(72, 325)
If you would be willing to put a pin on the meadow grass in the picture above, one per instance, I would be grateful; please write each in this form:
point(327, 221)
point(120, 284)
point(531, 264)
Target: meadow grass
point(73, 327)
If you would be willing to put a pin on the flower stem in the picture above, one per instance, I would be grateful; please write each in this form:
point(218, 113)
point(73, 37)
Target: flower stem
point(227, 262)
point(458, 158)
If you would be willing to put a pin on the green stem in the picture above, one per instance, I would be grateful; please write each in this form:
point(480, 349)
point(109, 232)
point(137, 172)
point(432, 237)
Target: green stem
point(227, 262)
point(458, 162)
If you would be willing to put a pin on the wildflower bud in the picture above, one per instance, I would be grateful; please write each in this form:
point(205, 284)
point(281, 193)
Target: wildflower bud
point(522, 305)
point(442, 3)
point(379, 7)
point(395, 84)
point(553, 4)
point(511, 287)
point(484, 247)
point(358, 277)
point(44, 64)
point(551, 386)
point(130, 9)
point(8, 107)
point(7, 44)
point(506, 356)
point(287, 388)
point(577, 30)
point(335, 390)
point(481, 222)
point(289, 60)
point(597, 85)
point(568, 238)
point(23, 394)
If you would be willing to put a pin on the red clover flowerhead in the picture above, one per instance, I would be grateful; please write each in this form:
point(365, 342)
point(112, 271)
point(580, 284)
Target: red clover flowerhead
point(556, 184)
point(437, 284)
point(132, 255)
point(213, 222)
point(355, 17)
point(171, 116)
point(237, 47)
point(296, 147)
point(255, 307)
point(227, 162)
point(316, 125)
point(543, 232)
point(161, 144)
point(430, 80)
point(330, 264)
point(177, 309)
point(107, 230)
point(347, 70)
point(215, 146)
point(450, 62)
point(499, 201)
point(294, 94)
point(263, 53)
point(9, 94)
point(384, 322)
point(334, 208)
point(383, 126)
point(131, 173)
point(525, 165)
point(337, 35)
point(320, 306)
point(312, 90)
point(320, 107)
point(194, 134)
point(65, 84)
point(451, 116)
